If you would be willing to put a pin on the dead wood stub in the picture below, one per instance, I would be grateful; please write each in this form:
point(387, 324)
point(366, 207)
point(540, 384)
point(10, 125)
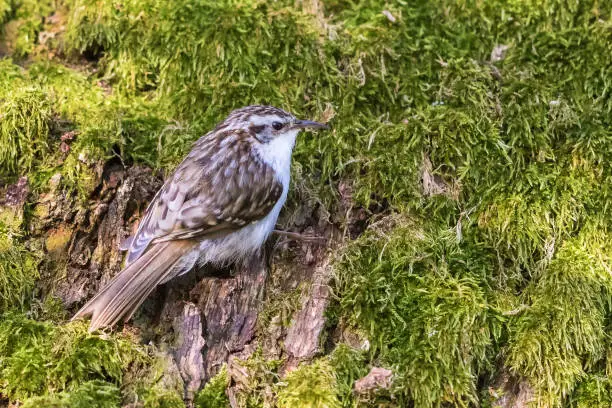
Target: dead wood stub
point(188, 349)
point(230, 308)
point(204, 320)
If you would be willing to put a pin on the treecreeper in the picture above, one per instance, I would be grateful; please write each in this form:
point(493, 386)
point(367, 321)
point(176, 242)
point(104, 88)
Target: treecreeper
point(218, 207)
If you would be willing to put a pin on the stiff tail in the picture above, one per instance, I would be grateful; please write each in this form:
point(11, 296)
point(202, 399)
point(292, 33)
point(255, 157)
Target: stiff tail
point(126, 291)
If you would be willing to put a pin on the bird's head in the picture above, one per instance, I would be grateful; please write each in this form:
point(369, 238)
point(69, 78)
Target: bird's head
point(268, 123)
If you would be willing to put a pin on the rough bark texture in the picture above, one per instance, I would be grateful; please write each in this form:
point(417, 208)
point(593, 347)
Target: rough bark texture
point(86, 237)
point(188, 352)
point(230, 308)
point(377, 378)
point(212, 314)
point(302, 340)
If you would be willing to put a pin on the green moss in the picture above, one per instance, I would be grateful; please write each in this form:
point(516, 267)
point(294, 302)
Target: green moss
point(310, 386)
point(160, 398)
point(49, 100)
point(278, 310)
point(89, 26)
point(94, 394)
point(18, 273)
point(349, 366)
point(38, 357)
point(28, 17)
point(154, 383)
point(136, 38)
point(255, 390)
point(213, 394)
point(420, 297)
point(562, 333)
point(594, 391)
point(6, 6)
point(546, 206)
point(24, 128)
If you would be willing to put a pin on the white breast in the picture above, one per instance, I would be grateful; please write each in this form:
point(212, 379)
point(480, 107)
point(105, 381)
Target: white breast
point(247, 240)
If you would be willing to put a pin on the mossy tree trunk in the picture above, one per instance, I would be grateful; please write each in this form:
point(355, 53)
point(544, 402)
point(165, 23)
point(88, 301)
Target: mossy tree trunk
point(458, 208)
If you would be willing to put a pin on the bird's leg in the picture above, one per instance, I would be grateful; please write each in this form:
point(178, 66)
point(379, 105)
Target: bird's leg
point(299, 237)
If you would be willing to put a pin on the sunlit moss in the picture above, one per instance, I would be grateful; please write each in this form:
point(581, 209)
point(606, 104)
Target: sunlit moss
point(21, 34)
point(489, 271)
point(160, 398)
point(213, 395)
point(563, 331)
point(24, 128)
point(420, 297)
point(38, 357)
point(256, 389)
point(309, 386)
point(91, 394)
point(349, 365)
point(18, 273)
point(6, 6)
point(593, 391)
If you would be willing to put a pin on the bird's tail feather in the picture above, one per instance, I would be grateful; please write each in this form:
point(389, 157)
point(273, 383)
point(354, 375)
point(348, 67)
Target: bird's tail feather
point(130, 287)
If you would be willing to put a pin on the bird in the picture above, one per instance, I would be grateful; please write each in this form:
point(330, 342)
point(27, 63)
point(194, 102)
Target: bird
point(218, 207)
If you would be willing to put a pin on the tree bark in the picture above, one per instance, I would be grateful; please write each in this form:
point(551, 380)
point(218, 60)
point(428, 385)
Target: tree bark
point(212, 314)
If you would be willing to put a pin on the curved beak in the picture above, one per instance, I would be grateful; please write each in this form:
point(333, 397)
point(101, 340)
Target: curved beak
point(302, 124)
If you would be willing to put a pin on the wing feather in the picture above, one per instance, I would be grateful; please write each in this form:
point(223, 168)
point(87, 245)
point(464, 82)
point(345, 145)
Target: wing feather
point(221, 186)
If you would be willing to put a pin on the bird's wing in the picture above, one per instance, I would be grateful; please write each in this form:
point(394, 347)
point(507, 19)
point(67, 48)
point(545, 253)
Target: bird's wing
point(221, 186)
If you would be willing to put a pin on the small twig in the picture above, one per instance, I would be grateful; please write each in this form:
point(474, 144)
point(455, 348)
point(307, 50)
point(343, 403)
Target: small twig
point(299, 237)
point(516, 311)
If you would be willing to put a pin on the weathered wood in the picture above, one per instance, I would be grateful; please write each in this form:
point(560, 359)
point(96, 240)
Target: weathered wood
point(230, 307)
point(88, 236)
point(188, 349)
point(378, 378)
point(212, 315)
point(302, 341)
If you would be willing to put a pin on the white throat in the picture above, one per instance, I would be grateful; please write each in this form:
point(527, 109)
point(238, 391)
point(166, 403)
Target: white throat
point(277, 153)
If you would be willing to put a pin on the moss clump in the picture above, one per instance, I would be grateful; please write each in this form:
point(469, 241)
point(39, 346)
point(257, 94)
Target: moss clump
point(310, 386)
point(24, 128)
point(27, 16)
point(421, 299)
point(237, 38)
point(563, 332)
point(160, 398)
point(38, 357)
point(18, 273)
point(349, 366)
point(6, 7)
point(91, 394)
point(213, 395)
point(278, 310)
point(593, 391)
point(256, 389)
point(155, 383)
point(48, 100)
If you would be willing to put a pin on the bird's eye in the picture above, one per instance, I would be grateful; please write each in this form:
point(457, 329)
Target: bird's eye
point(277, 125)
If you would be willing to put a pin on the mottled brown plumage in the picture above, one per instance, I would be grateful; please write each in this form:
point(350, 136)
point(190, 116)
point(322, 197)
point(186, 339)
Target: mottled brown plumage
point(218, 206)
point(223, 161)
